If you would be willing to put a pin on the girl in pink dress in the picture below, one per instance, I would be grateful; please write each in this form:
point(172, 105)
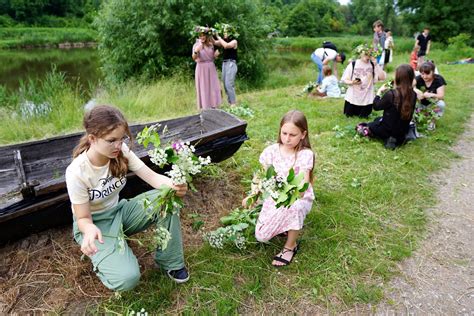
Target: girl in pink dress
point(292, 150)
point(208, 89)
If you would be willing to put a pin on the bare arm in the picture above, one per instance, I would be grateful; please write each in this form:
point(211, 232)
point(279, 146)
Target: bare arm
point(419, 93)
point(379, 72)
point(428, 47)
point(438, 95)
point(196, 50)
point(86, 226)
point(157, 180)
point(349, 81)
point(225, 45)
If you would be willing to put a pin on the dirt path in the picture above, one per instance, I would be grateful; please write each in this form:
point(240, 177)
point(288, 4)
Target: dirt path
point(439, 277)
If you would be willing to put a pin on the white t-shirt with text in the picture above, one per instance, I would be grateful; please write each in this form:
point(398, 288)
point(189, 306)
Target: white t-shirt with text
point(88, 183)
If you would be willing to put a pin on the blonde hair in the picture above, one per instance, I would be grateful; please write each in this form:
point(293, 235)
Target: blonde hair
point(327, 71)
point(100, 121)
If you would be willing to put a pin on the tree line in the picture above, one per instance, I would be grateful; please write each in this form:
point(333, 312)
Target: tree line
point(446, 18)
point(48, 13)
point(146, 39)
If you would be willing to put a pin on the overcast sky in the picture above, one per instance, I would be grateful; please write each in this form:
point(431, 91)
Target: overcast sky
point(344, 1)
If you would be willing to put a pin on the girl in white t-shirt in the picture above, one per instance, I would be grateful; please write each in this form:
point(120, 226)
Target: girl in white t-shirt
point(360, 76)
point(94, 179)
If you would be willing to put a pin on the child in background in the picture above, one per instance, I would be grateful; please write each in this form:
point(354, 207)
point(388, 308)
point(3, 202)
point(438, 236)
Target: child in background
point(414, 58)
point(389, 45)
point(329, 86)
point(292, 150)
point(378, 41)
point(360, 76)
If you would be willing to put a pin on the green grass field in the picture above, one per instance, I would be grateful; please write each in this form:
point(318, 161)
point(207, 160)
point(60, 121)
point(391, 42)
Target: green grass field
point(368, 215)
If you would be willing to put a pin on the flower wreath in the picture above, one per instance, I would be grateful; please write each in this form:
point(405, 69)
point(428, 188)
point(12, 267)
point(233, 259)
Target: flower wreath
point(227, 28)
point(208, 31)
point(366, 50)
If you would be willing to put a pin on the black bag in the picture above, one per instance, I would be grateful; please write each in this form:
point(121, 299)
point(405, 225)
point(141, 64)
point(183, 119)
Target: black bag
point(412, 133)
point(329, 45)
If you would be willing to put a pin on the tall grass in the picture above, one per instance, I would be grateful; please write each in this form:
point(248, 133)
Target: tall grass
point(14, 37)
point(156, 101)
point(343, 43)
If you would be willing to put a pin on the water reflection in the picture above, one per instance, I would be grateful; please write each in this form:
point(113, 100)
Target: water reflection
point(21, 65)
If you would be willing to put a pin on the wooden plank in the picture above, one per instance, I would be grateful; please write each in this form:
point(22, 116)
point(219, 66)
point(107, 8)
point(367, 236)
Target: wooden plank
point(49, 171)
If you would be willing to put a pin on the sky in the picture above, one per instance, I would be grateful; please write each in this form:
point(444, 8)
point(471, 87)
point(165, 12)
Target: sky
point(344, 1)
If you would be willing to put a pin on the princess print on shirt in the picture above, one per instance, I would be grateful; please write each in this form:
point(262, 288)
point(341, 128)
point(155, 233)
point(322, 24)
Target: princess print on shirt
point(106, 187)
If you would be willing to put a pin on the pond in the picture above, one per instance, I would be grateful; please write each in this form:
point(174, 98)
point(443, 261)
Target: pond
point(21, 65)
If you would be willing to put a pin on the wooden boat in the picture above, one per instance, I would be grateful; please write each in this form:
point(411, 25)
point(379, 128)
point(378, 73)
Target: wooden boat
point(33, 194)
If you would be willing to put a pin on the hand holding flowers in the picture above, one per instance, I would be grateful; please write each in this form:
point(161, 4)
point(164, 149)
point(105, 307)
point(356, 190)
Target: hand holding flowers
point(283, 190)
point(239, 225)
point(386, 86)
point(184, 165)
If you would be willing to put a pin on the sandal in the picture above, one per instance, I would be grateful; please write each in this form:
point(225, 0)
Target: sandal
point(284, 261)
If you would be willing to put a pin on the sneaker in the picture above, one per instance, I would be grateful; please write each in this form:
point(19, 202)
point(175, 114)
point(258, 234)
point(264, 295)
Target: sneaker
point(431, 126)
point(179, 276)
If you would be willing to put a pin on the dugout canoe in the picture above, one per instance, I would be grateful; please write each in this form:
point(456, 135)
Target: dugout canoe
point(33, 194)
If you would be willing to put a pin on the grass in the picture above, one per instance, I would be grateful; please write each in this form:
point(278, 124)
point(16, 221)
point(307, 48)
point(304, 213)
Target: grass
point(15, 37)
point(368, 215)
point(344, 43)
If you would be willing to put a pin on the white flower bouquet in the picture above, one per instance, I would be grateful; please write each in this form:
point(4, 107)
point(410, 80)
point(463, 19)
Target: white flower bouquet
point(184, 165)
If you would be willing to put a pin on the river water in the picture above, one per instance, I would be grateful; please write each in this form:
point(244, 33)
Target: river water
point(21, 65)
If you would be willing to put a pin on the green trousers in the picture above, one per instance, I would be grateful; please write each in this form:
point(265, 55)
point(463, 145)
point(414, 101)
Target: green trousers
point(114, 263)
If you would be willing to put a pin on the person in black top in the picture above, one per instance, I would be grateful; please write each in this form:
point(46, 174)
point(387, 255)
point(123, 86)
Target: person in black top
point(398, 105)
point(430, 87)
point(424, 41)
point(229, 63)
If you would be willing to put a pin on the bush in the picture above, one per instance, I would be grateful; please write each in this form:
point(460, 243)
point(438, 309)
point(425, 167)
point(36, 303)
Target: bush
point(313, 18)
point(6, 21)
point(148, 39)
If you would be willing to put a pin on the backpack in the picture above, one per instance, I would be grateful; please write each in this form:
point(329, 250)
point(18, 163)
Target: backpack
point(373, 68)
point(329, 45)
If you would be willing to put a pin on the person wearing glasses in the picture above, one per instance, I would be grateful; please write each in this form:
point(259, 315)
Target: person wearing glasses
point(94, 180)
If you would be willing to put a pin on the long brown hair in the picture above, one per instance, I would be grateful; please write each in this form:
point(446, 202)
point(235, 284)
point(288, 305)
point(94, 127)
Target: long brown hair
point(100, 121)
point(299, 120)
point(404, 95)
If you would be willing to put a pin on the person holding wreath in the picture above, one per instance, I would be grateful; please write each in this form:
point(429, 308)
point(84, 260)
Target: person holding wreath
point(208, 89)
point(229, 63)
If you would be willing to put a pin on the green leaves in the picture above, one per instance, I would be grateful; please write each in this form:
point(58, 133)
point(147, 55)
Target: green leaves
point(295, 186)
point(270, 172)
point(149, 135)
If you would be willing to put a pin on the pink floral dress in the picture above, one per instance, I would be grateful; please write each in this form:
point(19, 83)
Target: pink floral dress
point(273, 221)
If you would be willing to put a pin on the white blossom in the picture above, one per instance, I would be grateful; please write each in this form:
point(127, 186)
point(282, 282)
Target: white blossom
point(158, 156)
point(162, 237)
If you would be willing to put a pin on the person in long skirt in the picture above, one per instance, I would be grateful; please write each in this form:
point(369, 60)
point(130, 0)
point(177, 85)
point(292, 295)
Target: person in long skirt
point(208, 90)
